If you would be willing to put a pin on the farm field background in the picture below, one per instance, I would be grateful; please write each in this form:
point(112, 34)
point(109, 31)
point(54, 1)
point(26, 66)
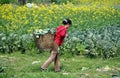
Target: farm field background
point(91, 49)
point(18, 23)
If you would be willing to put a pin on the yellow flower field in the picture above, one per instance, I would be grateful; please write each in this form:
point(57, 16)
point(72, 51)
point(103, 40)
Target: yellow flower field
point(21, 19)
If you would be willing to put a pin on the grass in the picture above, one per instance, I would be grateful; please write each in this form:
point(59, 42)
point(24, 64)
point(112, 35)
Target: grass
point(28, 66)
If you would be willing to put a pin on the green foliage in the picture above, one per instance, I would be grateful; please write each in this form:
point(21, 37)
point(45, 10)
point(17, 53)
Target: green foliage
point(5, 1)
point(15, 42)
point(8, 1)
point(2, 68)
point(60, 1)
point(73, 47)
point(103, 42)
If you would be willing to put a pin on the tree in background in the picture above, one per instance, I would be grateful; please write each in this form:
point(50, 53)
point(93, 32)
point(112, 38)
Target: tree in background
point(22, 2)
point(4, 1)
point(53, 0)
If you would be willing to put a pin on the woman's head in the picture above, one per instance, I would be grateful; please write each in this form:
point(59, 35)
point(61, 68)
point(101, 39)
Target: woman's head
point(67, 22)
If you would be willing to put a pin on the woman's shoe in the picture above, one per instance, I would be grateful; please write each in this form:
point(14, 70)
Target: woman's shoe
point(42, 69)
point(57, 70)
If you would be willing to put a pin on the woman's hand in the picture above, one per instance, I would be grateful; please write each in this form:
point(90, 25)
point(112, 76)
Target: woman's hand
point(66, 35)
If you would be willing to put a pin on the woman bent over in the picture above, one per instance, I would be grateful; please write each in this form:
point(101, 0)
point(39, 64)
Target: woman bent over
point(59, 36)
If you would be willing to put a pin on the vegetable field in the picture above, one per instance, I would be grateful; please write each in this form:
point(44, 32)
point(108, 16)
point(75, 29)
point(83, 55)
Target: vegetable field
point(95, 29)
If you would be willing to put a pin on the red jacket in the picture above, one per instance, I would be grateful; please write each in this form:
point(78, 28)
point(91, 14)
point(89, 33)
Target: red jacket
point(60, 34)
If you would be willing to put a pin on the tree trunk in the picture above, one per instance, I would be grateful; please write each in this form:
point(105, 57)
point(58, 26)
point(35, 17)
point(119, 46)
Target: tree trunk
point(22, 2)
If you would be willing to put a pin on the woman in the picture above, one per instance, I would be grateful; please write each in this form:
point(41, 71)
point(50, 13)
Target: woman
point(58, 40)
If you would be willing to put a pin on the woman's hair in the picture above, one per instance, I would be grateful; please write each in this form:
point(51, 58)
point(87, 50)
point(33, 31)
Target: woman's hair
point(67, 21)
